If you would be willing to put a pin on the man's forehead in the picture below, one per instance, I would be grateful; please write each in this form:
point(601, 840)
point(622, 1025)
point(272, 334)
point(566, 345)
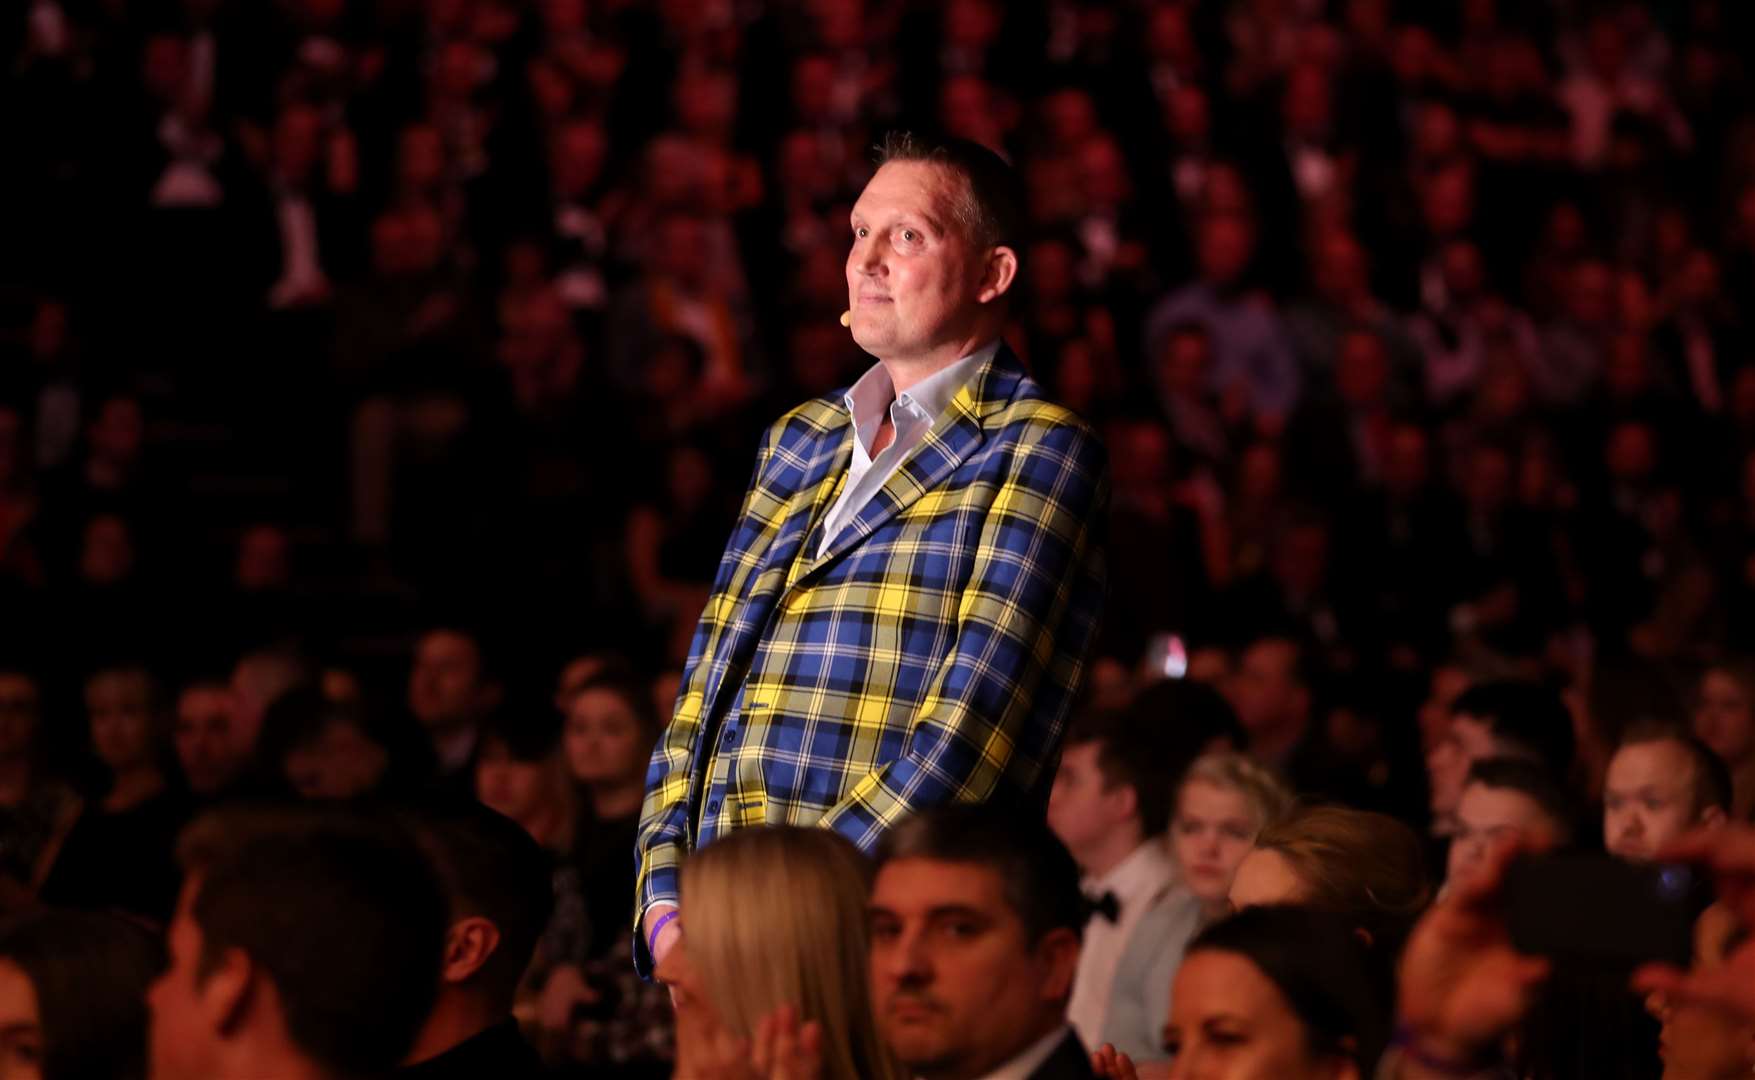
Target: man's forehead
point(1485, 806)
point(922, 884)
point(922, 187)
point(1661, 759)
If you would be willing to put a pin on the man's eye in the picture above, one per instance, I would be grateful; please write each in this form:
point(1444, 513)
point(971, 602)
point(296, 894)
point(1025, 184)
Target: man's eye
point(910, 235)
point(860, 232)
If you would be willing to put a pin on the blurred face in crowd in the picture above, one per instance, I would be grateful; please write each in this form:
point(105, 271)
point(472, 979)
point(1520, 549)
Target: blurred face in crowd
point(916, 281)
point(1362, 369)
point(967, 107)
point(21, 1025)
point(1103, 173)
point(447, 688)
point(1142, 460)
point(1183, 365)
point(1448, 200)
point(263, 558)
point(1466, 740)
point(604, 740)
point(1210, 835)
point(119, 431)
point(959, 985)
point(1487, 816)
point(298, 134)
point(1228, 1021)
point(341, 762)
point(210, 746)
point(1407, 466)
point(1340, 276)
point(1649, 799)
point(1725, 718)
point(119, 707)
point(1631, 453)
point(1070, 116)
point(1084, 808)
point(518, 789)
point(1698, 1042)
point(1227, 241)
point(1307, 104)
point(19, 703)
point(1266, 877)
point(107, 557)
point(1266, 690)
point(420, 157)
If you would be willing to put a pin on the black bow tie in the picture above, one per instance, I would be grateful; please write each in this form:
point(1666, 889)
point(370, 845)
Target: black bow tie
point(1106, 906)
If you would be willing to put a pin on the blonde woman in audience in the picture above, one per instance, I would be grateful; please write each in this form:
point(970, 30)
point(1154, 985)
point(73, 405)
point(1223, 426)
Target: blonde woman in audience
point(1369, 867)
point(770, 975)
point(1222, 802)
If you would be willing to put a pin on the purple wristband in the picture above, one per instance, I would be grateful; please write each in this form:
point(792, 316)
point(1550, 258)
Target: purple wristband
point(1403, 1040)
point(652, 938)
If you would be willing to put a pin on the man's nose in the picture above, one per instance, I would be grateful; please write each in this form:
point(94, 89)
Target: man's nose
point(910, 960)
point(870, 260)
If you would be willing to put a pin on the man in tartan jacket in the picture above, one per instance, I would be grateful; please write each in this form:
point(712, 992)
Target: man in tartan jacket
point(902, 614)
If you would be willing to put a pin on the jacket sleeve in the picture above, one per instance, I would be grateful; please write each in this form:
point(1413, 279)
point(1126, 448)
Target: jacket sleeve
point(664, 833)
point(1026, 620)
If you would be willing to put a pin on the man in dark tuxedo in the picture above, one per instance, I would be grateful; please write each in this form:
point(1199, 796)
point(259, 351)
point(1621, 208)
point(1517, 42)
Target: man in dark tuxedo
point(976, 919)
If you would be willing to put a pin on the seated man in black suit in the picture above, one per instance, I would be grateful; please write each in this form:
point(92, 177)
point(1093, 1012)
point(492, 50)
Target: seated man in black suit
point(498, 888)
point(976, 919)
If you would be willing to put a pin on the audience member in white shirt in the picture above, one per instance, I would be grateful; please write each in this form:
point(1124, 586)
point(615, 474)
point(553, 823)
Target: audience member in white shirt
point(1223, 801)
point(1109, 806)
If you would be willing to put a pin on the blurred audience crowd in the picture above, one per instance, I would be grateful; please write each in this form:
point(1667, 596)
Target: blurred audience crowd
point(378, 381)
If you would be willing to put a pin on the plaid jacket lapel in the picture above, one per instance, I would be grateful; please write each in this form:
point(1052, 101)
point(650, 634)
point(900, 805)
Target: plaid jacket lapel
point(953, 438)
point(804, 471)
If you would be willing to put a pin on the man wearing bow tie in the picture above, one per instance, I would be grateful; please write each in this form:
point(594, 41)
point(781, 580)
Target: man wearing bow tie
point(902, 615)
point(1110, 807)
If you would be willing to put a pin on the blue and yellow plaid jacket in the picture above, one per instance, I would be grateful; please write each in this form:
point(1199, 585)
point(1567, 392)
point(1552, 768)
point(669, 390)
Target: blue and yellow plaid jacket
point(931, 654)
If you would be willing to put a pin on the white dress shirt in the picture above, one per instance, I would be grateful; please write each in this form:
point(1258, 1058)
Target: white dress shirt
point(1026, 1063)
point(912, 413)
point(1138, 882)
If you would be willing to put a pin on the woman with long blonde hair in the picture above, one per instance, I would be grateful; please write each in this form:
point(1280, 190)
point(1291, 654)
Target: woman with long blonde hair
point(775, 952)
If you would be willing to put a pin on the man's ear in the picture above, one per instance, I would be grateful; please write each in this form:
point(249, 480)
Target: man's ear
point(468, 945)
point(1059, 953)
point(1712, 817)
point(1127, 800)
point(997, 278)
point(225, 994)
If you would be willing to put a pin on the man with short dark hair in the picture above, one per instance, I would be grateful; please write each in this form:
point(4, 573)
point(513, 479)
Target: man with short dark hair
point(306, 944)
point(1505, 798)
point(497, 883)
point(1110, 806)
point(451, 690)
point(975, 917)
point(1660, 783)
point(212, 747)
point(1507, 718)
point(1272, 697)
point(902, 615)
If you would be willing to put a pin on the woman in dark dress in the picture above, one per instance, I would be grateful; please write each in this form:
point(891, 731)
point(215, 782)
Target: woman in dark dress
point(592, 1005)
point(121, 852)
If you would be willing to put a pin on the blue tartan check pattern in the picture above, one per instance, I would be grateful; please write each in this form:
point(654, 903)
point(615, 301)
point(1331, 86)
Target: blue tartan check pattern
point(931, 654)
